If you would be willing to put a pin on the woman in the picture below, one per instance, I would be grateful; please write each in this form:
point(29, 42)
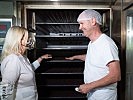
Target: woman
point(15, 66)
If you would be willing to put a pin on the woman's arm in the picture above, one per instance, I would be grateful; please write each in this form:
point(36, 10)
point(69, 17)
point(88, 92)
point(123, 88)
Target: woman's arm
point(45, 56)
point(10, 69)
point(36, 63)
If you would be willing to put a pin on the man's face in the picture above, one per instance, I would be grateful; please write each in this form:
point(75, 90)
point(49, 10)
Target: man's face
point(86, 27)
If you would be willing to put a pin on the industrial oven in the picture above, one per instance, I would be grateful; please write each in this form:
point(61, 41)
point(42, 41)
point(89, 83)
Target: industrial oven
point(53, 24)
point(57, 32)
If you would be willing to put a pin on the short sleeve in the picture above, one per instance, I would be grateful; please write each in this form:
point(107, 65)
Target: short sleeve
point(111, 53)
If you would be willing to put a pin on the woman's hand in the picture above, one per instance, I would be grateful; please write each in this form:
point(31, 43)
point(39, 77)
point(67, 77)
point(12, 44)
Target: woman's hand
point(46, 56)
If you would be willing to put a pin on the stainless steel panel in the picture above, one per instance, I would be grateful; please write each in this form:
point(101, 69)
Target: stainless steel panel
point(129, 86)
point(129, 54)
point(129, 44)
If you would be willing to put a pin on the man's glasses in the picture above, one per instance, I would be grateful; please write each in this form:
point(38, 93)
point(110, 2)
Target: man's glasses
point(30, 43)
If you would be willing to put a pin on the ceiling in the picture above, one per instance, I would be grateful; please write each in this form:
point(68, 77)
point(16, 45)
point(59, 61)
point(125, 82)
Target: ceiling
point(68, 0)
point(98, 2)
point(82, 2)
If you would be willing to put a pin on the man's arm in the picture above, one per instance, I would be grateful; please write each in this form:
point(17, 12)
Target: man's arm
point(113, 76)
point(79, 57)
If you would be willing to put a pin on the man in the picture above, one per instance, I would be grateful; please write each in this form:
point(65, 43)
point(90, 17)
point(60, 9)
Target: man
point(102, 68)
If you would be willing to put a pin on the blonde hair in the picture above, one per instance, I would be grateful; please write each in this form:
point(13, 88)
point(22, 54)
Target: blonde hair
point(12, 41)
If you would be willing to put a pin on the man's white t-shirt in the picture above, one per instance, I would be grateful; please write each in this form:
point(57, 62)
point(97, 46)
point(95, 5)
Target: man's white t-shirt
point(99, 54)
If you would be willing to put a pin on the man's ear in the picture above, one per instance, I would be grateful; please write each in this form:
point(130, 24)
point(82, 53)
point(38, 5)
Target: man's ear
point(93, 21)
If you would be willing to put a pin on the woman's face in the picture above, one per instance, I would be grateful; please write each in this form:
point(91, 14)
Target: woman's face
point(24, 42)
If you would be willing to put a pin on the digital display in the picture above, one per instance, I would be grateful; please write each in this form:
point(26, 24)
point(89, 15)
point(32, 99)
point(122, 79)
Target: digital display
point(4, 26)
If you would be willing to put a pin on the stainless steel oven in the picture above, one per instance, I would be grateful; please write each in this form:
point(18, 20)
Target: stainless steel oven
point(56, 32)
